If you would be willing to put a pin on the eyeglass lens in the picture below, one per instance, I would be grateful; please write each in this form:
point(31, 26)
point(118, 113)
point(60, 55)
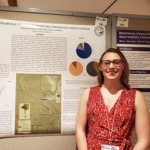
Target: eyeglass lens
point(116, 62)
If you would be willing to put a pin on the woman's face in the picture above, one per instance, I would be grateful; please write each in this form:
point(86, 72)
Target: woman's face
point(112, 66)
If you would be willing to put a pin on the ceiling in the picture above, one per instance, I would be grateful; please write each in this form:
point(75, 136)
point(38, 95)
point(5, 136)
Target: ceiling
point(141, 7)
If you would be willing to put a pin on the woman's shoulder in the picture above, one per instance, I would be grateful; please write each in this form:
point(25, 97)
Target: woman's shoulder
point(136, 91)
point(139, 95)
point(130, 90)
point(96, 87)
point(88, 90)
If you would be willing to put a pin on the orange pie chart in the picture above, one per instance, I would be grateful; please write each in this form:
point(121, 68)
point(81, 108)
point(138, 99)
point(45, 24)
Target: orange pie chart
point(76, 68)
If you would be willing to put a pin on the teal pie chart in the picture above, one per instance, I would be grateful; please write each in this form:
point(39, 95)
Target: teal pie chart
point(84, 50)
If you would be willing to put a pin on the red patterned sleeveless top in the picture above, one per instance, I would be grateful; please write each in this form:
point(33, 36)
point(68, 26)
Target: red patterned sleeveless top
point(110, 127)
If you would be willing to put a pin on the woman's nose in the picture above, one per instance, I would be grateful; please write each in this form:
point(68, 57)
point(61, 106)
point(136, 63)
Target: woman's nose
point(111, 64)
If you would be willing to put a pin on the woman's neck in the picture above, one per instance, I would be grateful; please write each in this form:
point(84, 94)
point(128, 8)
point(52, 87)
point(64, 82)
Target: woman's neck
point(112, 87)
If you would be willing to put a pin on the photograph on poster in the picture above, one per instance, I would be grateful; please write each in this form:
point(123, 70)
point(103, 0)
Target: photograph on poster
point(38, 97)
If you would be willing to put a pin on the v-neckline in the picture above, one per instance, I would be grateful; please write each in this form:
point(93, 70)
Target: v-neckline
point(111, 109)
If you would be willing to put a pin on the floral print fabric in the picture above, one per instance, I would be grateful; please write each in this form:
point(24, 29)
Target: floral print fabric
point(112, 127)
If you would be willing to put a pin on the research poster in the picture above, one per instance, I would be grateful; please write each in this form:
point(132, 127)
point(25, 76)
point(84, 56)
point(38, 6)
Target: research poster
point(135, 45)
point(43, 70)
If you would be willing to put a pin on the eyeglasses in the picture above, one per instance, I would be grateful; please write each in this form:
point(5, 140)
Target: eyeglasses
point(116, 62)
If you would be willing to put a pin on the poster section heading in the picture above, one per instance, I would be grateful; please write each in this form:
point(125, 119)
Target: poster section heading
point(133, 37)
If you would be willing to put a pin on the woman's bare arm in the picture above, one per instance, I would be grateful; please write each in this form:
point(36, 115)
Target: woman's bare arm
point(142, 123)
point(81, 121)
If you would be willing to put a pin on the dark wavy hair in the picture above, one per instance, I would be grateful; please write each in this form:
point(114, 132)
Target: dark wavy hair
point(125, 73)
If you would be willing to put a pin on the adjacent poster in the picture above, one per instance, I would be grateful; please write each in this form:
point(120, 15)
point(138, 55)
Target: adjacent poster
point(135, 45)
point(44, 69)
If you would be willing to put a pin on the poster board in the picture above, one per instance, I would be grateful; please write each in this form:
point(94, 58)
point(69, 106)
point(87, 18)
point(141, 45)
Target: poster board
point(131, 35)
point(46, 141)
point(40, 20)
point(135, 22)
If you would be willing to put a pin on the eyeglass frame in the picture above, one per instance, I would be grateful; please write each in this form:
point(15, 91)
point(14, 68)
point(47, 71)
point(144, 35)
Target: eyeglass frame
point(109, 61)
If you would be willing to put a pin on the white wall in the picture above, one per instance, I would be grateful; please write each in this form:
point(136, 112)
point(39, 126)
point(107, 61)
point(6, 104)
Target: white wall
point(3, 3)
point(141, 7)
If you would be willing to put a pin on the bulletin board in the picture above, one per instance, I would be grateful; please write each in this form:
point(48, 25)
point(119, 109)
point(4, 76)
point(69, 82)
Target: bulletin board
point(131, 35)
point(31, 16)
point(46, 140)
point(135, 22)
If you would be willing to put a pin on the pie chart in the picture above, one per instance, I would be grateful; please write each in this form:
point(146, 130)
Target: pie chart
point(76, 68)
point(83, 50)
point(91, 68)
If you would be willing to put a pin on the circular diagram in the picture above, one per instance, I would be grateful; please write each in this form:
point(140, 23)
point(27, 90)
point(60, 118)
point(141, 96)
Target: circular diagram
point(84, 50)
point(99, 31)
point(76, 68)
point(91, 68)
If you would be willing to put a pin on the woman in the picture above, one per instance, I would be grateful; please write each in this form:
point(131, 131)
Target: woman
point(108, 113)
